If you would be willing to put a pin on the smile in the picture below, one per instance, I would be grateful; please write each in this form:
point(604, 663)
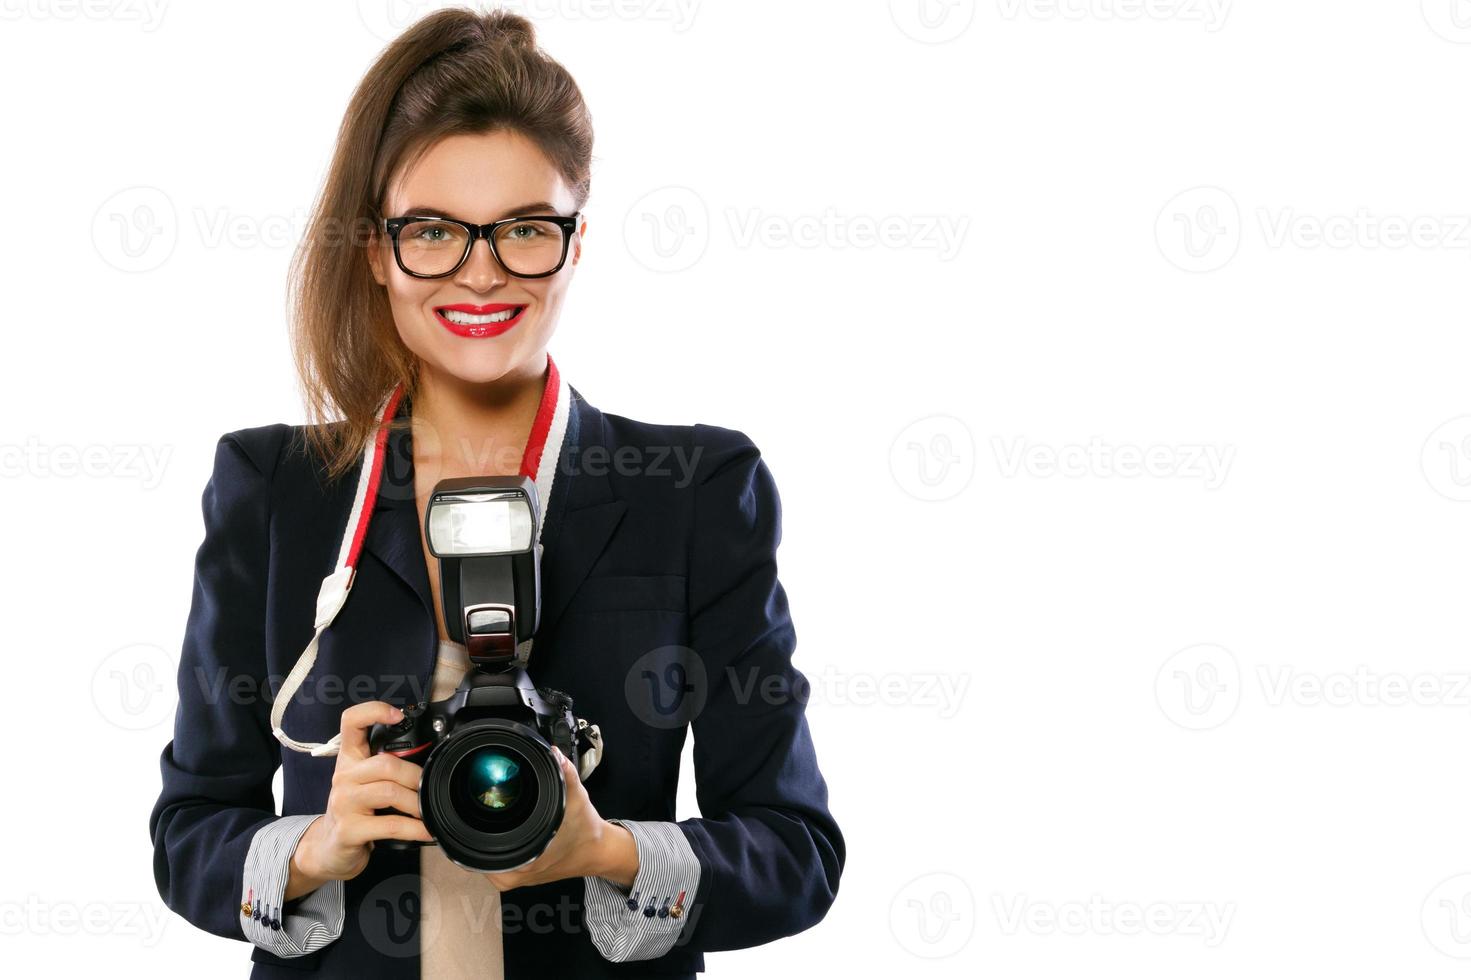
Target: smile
point(466, 320)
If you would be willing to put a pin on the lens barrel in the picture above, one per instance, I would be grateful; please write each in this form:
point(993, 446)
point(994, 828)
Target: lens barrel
point(492, 794)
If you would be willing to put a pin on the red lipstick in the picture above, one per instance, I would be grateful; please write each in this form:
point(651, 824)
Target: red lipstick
point(480, 326)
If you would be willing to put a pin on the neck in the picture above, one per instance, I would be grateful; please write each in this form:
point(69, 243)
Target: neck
point(476, 429)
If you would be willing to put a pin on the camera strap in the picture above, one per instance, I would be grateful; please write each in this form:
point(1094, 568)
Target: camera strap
point(539, 462)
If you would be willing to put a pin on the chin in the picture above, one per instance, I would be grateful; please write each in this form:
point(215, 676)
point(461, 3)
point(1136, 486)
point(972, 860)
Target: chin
point(480, 366)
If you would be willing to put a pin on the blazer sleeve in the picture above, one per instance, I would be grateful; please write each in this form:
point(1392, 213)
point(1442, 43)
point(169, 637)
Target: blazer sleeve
point(770, 852)
point(217, 769)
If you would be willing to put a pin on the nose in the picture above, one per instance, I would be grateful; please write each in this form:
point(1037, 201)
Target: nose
point(480, 271)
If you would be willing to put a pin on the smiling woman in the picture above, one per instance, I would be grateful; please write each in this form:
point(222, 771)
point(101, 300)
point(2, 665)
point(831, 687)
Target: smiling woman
point(465, 154)
point(430, 264)
point(463, 121)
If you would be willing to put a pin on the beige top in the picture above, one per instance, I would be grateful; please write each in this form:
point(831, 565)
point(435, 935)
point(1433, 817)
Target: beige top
point(460, 928)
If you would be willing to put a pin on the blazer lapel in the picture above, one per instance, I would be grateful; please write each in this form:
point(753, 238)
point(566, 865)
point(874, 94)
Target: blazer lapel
point(579, 520)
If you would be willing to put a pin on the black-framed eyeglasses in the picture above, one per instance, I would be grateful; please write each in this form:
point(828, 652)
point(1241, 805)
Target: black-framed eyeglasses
point(528, 247)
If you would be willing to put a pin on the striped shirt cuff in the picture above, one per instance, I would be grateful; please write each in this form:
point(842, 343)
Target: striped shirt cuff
point(314, 919)
point(667, 867)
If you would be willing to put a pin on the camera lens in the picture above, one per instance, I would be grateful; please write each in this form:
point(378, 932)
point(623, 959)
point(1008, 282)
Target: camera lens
point(495, 779)
point(492, 794)
point(491, 788)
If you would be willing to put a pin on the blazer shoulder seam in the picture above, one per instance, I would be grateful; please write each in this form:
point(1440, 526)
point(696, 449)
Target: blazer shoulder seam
point(262, 445)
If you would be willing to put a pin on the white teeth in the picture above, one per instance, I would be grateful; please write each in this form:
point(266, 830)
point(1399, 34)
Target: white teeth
point(471, 320)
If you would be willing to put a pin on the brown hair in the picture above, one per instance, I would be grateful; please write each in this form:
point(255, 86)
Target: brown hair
point(454, 71)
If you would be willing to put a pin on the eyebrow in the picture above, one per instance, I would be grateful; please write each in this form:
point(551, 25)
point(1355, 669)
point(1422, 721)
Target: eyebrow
point(535, 207)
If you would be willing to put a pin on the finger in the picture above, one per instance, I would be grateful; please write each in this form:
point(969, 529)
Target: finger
point(384, 765)
point(362, 830)
point(382, 794)
point(356, 721)
point(575, 789)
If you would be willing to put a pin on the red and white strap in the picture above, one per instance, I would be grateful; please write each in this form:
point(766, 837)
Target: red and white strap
point(539, 461)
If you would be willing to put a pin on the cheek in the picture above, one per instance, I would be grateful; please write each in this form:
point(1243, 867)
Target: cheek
point(548, 292)
point(409, 297)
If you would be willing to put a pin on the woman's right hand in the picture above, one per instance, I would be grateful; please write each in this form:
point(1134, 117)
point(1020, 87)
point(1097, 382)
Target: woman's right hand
point(337, 844)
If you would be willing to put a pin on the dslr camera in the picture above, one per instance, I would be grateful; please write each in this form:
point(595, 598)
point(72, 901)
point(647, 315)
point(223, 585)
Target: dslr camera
point(492, 793)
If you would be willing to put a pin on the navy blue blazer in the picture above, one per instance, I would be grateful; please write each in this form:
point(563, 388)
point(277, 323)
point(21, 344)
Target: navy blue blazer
point(661, 611)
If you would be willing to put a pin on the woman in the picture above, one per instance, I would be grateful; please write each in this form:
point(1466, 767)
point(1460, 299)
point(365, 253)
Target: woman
point(661, 608)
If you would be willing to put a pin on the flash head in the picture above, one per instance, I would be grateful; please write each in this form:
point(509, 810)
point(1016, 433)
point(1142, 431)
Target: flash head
point(483, 531)
point(485, 516)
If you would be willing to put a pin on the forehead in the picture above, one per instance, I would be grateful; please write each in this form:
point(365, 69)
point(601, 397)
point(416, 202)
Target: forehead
point(479, 177)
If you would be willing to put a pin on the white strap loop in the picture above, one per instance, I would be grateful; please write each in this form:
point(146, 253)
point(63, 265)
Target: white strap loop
point(332, 595)
point(288, 688)
point(590, 759)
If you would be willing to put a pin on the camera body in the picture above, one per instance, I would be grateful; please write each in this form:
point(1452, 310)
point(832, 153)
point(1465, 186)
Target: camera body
point(492, 793)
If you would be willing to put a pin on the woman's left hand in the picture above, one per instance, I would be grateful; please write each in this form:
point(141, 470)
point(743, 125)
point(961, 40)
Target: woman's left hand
point(574, 851)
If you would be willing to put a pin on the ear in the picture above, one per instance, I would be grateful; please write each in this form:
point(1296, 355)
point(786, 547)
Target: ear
point(375, 251)
point(577, 243)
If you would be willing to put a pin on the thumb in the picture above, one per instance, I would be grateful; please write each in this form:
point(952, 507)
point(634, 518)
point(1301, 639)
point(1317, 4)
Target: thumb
point(568, 769)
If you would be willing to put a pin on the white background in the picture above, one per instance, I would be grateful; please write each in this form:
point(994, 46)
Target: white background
point(1208, 716)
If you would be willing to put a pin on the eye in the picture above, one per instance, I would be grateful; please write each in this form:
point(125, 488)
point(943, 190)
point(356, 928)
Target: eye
point(529, 228)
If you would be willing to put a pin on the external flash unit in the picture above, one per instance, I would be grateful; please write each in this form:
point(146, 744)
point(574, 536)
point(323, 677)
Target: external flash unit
point(483, 531)
point(492, 793)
